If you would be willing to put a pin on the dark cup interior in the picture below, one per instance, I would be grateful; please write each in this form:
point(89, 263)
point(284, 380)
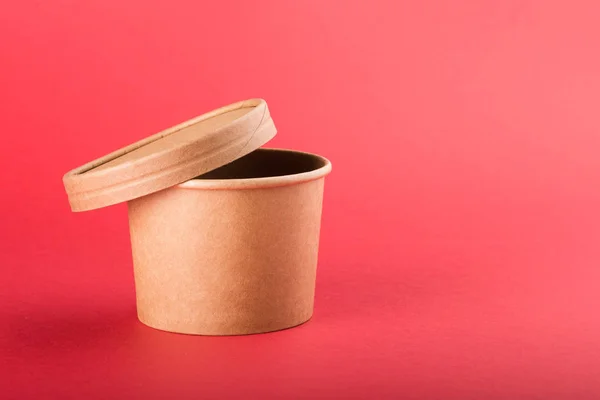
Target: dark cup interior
point(263, 163)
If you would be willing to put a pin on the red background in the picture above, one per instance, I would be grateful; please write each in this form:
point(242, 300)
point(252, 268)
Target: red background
point(459, 254)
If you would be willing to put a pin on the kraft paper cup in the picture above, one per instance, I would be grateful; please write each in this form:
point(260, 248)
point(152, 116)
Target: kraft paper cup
point(233, 251)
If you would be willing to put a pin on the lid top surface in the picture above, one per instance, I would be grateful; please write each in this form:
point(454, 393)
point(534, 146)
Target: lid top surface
point(184, 135)
point(172, 156)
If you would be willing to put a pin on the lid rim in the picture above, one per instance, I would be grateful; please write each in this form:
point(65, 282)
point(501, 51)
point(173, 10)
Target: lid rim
point(88, 167)
point(170, 165)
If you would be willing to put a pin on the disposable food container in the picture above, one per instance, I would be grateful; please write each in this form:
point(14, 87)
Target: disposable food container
point(224, 234)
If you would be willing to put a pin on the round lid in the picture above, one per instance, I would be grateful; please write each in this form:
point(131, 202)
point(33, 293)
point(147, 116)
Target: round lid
point(172, 156)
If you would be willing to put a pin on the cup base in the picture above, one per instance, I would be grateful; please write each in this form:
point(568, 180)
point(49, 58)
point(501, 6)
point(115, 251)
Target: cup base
point(208, 332)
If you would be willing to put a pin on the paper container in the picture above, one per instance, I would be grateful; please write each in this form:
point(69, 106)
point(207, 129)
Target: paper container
point(234, 251)
point(224, 236)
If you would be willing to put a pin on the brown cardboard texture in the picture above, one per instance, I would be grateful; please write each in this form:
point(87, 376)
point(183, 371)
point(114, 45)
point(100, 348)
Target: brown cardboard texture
point(234, 251)
point(224, 237)
point(172, 156)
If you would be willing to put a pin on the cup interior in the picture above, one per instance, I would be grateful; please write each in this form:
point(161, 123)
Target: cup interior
point(265, 163)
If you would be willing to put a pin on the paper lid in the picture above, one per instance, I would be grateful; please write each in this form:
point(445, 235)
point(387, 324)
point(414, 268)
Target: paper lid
point(172, 156)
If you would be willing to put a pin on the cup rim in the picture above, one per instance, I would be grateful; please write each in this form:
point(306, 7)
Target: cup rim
point(263, 182)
